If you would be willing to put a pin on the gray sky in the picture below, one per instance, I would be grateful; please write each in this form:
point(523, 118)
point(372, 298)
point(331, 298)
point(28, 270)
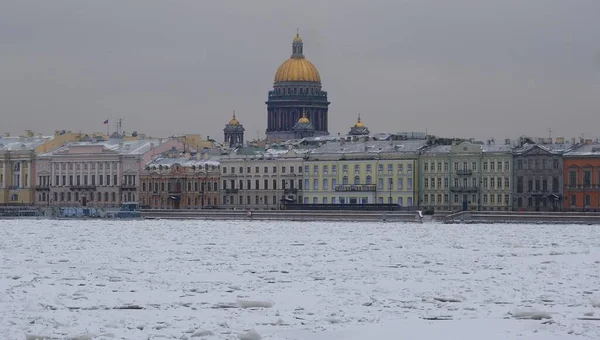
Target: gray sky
point(475, 68)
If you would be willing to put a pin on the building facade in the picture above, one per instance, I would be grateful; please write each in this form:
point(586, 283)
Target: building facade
point(17, 170)
point(98, 174)
point(362, 173)
point(466, 176)
point(261, 180)
point(582, 178)
point(175, 181)
point(538, 177)
point(296, 90)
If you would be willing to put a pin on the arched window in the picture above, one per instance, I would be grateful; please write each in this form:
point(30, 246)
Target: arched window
point(114, 197)
point(129, 197)
point(14, 197)
point(369, 179)
point(356, 180)
point(99, 195)
point(345, 180)
point(106, 197)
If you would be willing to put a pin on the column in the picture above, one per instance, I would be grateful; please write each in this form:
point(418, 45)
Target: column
point(29, 175)
point(4, 165)
point(118, 174)
point(52, 173)
point(96, 173)
point(20, 184)
point(110, 167)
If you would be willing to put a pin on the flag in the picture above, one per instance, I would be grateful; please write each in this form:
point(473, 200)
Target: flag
point(106, 122)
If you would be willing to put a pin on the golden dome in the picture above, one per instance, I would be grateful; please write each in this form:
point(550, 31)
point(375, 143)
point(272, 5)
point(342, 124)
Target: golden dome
point(297, 68)
point(303, 120)
point(359, 124)
point(233, 120)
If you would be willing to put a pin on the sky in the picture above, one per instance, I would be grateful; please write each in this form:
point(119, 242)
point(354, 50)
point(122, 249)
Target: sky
point(462, 68)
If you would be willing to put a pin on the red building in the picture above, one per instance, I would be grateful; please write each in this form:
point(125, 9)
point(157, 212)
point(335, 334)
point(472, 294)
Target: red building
point(582, 178)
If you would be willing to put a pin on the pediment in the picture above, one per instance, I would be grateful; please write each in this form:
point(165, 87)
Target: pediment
point(536, 150)
point(465, 147)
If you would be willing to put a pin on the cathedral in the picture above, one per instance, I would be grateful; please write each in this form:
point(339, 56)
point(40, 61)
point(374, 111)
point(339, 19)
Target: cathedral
point(297, 105)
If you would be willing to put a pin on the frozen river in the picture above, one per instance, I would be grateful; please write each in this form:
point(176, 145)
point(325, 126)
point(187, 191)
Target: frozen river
point(276, 280)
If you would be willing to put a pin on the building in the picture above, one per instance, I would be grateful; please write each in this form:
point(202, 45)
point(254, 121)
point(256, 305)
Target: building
point(17, 168)
point(96, 173)
point(538, 177)
point(362, 172)
point(177, 180)
point(466, 176)
point(296, 90)
point(233, 133)
point(359, 128)
point(303, 128)
point(253, 178)
point(582, 178)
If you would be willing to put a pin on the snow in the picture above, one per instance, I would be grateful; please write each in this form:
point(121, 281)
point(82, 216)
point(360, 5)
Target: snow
point(274, 280)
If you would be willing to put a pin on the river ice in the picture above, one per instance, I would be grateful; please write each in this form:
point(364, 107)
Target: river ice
point(289, 280)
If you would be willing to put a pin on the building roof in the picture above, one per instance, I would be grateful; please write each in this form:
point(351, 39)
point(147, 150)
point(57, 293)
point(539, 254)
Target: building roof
point(589, 150)
point(184, 161)
point(22, 143)
point(372, 147)
point(130, 147)
point(551, 148)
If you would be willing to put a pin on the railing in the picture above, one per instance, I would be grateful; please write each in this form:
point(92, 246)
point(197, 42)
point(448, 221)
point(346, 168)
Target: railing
point(464, 189)
point(231, 191)
point(82, 187)
point(581, 187)
point(356, 187)
point(464, 172)
point(42, 187)
point(128, 186)
point(290, 191)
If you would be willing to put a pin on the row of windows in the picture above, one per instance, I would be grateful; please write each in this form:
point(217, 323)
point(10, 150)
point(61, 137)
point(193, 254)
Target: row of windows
point(585, 177)
point(85, 166)
point(71, 180)
point(537, 185)
point(75, 197)
point(283, 169)
point(177, 186)
point(357, 168)
point(487, 182)
point(537, 164)
point(258, 200)
point(157, 202)
point(389, 184)
point(358, 200)
point(486, 199)
point(285, 184)
point(487, 166)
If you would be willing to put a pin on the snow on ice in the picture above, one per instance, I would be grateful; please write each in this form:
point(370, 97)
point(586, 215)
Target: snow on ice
point(273, 280)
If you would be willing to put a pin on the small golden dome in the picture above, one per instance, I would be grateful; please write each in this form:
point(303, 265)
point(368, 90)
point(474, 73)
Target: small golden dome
point(297, 39)
point(303, 120)
point(233, 120)
point(359, 124)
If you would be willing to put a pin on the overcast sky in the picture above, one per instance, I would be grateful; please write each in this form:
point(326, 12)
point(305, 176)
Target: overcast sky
point(472, 68)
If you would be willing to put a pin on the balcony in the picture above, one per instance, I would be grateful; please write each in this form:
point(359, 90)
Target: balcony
point(356, 187)
point(231, 191)
point(14, 187)
point(464, 172)
point(290, 191)
point(127, 187)
point(464, 189)
point(82, 187)
point(42, 188)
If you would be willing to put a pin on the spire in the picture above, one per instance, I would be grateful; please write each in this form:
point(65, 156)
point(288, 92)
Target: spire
point(233, 120)
point(297, 46)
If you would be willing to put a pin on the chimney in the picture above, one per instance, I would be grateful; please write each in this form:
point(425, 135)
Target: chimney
point(7, 134)
point(560, 140)
point(28, 133)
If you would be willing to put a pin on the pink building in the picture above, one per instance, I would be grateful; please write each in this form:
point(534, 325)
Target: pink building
point(102, 173)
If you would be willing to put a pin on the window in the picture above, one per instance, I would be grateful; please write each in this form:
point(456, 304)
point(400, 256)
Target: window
point(499, 166)
point(499, 182)
point(485, 166)
point(356, 168)
point(380, 168)
point(324, 200)
point(492, 167)
point(315, 200)
point(400, 182)
point(283, 169)
point(409, 170)
point(520, 164)
point(455, 198)
point(334, 170)
point(446, 182)
point(506, 166)
point(537, 185)
point(465, 166)
point(426, 166)
point(491, 199)
point(368, 168)
point(485, 182)
point(499, 200)
point(356, 180)
point(529, 186)
point(587, 200)
point(369, 180)
point(345, 180)
point(555, 164)
point(257, 184)
point(409, 185)
point(439, 199)
point(380, 184)
point(446, 166)
point(325, 186)
point(544, 185)
point(555, 184)
point(439, 166)
point(325, 169)
point(248, 185)
point(572, 178)
point(315, 184)
point(274, 184)
point(587, 178)
point(400, 201)
point(439, 183)
point(409, 202)
point(390, 169)
point(306, 184)
point(345, 168)
point(485, 199)
point(274, 169)
point(266, 169)
point(426, 183)
point(573, 200)
point(456, 182)
point(400, 168)
point(445, 198)
point(333, 183)
point(506, 182)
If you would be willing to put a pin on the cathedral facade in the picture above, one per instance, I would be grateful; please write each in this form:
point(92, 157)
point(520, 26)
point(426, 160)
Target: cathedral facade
point(297, 96)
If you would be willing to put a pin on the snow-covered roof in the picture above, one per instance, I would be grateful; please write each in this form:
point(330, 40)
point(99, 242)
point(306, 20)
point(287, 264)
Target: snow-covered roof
point(551, 148)
point(23, 143)
point(130, 147)
point(183, 161)
point(589, 150)
point(408, 146)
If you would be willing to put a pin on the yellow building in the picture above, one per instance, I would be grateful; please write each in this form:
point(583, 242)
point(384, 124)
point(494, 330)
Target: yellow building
point(17, 171)
point(371, 172)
